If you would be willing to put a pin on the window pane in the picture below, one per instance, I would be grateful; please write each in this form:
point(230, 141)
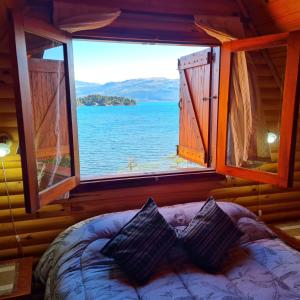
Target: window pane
point(255, 100)
point(127, 108)
point(48, 96)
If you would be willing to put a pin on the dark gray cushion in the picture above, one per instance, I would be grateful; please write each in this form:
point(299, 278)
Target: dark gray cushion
point(142, 243)
point(209, 236)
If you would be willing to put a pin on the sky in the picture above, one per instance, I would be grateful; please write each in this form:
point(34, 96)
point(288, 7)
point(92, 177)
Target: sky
point(103, 62)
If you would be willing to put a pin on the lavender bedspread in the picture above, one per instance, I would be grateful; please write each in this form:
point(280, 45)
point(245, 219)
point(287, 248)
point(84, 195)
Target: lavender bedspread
point(260, 267)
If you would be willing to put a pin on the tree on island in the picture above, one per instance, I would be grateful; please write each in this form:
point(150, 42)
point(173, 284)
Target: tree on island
point(100, 100)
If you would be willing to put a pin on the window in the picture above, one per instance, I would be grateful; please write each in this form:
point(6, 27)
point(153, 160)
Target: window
point(129, 118)
point(46, 120)
point(47, 111)
point(258, 86)
point(249, 143)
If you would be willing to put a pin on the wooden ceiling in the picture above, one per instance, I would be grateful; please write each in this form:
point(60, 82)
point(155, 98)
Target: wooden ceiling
point(172, 21)
point(272, 16)
point(151, 28)
point(152, 21)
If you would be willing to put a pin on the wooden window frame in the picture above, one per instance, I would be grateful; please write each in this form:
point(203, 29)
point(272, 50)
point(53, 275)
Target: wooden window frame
point(96, 183)
point(100, 184)
point(33, 198)
point(289, 112)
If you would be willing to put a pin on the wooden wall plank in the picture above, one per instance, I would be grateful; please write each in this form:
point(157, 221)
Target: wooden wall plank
point(6, 91)
point(5, 61)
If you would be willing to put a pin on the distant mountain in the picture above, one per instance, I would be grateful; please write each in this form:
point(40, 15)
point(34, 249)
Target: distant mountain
point(138, 89)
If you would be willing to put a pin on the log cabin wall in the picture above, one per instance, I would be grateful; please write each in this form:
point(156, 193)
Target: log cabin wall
point(37, 230)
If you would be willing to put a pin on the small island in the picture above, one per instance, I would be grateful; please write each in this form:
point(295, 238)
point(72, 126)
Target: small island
point(100, 100)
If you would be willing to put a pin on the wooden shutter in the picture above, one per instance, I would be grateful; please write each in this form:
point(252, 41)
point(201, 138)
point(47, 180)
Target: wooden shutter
point(195, 106)
point(42, 74)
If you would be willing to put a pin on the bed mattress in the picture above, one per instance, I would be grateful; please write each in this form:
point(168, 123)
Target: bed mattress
point(260, 266)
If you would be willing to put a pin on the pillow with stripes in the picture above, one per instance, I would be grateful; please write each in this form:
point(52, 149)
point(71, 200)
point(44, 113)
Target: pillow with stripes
point(209, 236)
point(142, 243)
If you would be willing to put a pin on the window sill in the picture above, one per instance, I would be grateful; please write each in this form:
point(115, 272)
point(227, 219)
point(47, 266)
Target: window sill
point(144, 179)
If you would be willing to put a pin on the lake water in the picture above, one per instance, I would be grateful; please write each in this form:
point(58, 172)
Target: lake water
point(123, 139)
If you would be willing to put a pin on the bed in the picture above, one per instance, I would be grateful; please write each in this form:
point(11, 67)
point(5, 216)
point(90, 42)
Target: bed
point(259, 266)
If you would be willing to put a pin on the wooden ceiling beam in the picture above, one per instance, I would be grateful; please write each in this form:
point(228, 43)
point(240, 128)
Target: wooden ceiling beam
point(160, 22)
point(187, 7)
point(151, 28)
point(268, 16)
point(147, 36)
point(150, 21)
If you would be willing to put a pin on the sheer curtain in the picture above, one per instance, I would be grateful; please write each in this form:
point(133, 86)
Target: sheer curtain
point(74, 17)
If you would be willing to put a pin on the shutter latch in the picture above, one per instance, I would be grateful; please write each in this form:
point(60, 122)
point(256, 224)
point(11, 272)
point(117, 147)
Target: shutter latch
point(209, 98)
point(210, 57)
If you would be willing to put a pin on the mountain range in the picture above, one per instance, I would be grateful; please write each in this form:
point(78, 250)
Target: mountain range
point(147, 89)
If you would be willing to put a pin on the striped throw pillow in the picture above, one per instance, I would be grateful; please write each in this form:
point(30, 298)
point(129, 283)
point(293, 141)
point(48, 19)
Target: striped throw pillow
point(209, 236)
point(142, 243)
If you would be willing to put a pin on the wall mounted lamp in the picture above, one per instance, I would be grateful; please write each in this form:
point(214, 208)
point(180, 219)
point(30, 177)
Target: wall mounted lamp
point(271, 138)
point(5, 144)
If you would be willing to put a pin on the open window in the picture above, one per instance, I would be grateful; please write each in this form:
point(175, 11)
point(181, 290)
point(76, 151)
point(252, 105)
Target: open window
point(255, 118)
point(258, 108)
point(46, 111)
point(128, 119)
point(199, 74)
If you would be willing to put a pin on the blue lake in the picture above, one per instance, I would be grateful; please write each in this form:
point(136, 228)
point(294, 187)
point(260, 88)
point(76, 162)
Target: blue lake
point(123, 139)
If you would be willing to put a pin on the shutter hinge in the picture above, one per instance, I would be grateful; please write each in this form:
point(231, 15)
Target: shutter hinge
point(180, 103)
point(211, 57)
point(209, 98)
point(209, 160)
